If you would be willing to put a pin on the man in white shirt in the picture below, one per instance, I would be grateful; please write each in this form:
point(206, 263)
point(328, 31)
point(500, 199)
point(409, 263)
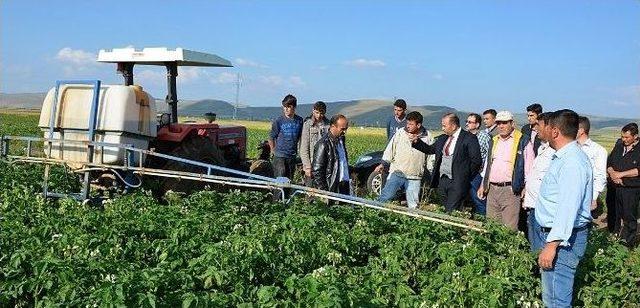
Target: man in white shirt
point(406, 164)
point(597, 156)
point(538, 170)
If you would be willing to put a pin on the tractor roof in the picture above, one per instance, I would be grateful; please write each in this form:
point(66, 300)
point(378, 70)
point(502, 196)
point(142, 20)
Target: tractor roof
point(161, 55)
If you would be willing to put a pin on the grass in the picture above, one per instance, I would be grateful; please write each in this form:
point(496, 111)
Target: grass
point(360, 140)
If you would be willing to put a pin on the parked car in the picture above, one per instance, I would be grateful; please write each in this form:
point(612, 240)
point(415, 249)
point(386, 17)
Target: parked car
point(372, 181)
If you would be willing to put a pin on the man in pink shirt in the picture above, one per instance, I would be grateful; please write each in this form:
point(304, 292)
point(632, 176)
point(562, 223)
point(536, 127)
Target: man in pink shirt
point(504, 172)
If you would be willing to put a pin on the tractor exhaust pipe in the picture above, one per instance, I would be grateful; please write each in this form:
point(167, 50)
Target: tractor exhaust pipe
point(172, 96)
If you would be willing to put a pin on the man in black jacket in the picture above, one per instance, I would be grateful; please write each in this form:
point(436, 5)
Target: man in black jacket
point(457, 161)
point(330, 164)
point(623, 168)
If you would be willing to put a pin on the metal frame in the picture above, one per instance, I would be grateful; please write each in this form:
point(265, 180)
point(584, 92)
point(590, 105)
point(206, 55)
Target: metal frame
point(239, 178)
point(91, 132)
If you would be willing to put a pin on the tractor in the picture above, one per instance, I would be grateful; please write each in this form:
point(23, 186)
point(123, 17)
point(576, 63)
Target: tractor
point(126, 114)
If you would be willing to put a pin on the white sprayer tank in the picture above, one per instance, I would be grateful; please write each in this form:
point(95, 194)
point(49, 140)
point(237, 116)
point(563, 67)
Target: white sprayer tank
point(126, 115)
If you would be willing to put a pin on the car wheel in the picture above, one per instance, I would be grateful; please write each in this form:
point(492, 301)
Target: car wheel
point(374, 183)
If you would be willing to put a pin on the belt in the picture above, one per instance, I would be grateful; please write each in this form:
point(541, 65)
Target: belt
point(576, 229)
point(501, 184)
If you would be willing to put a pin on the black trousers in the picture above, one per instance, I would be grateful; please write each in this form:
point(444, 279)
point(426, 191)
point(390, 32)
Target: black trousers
point(627, 207)
point(613, 219)
point(452, 195)
point(283, 167)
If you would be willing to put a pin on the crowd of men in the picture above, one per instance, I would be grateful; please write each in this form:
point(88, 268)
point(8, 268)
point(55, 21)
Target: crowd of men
point(548, 174)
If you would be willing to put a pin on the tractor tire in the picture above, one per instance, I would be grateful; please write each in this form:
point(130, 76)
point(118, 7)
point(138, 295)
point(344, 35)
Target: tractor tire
point(261, 167)
point(375, 182)
point(199, 149)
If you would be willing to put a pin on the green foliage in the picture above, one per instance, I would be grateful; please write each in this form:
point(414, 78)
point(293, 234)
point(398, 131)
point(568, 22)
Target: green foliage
point(241, 249)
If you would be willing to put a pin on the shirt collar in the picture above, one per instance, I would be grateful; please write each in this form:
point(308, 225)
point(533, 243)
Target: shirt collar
point(509, 137)
point(565, 149)
point(587, 142)
point(456, 133)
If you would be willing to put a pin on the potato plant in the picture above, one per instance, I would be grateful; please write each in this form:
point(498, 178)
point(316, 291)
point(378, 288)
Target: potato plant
point(241, 249)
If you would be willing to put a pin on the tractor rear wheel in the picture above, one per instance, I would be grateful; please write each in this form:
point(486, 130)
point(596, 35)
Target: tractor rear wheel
point(196, 148)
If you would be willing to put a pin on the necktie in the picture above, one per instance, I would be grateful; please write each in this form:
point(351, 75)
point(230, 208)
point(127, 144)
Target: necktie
point(446, 147)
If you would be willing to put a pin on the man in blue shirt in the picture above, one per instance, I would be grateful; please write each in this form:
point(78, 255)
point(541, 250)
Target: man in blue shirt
point(283, 139)
point(398, 121)
point(563, 211)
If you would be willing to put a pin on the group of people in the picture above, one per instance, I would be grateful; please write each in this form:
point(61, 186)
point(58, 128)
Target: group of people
point(549, 173)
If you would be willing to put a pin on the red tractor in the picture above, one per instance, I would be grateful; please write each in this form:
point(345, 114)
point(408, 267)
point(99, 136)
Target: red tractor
point(126, 114)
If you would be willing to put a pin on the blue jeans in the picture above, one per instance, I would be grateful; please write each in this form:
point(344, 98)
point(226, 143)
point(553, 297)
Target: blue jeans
point(481, 205)
point(557, 283)
point(396, 182)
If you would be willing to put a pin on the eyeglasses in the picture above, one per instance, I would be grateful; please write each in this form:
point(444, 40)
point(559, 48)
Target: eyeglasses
point(470, 122)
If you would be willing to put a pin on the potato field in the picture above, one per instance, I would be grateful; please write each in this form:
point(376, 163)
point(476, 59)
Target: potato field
point(213, 249)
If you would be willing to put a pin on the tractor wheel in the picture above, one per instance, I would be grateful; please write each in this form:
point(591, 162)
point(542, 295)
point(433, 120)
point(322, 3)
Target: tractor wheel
point(261, 167)
point(199, 149)
point(374, 183)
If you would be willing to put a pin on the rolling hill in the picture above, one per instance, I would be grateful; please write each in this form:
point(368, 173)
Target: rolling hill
point(362, 112)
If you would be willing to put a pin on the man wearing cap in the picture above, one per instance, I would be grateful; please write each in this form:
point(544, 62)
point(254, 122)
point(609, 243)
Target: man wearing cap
point(504, 172)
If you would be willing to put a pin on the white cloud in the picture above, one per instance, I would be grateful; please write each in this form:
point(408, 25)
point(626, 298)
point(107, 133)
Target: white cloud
point(271, 80)
point(189, 74)
point(297, 81)
point(76, 56)
point(224, 78)
point(619, 103)
point(150, 77)
point(361, 63)
point(249, 63)
point(76, 61)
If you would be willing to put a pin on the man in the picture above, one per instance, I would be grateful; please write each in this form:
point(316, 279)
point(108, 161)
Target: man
point(313, 128)
point(597, 157)
point(623, 167)
point(330, 163)
point(284, 137)
point(489, 119)
point(563, 214)
point(398, 120)
point(406, 164)
point(473, 126)
point(457, 161)
point(504, 173)
point(538, 170)
point(531, 149)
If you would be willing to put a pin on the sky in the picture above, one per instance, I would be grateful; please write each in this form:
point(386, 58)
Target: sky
point(470, 55)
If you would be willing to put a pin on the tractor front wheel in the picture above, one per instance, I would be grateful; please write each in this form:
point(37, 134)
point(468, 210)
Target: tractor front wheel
point(198, 149)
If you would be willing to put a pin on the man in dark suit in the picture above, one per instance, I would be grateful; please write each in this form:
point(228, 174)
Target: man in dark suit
point(457, 161)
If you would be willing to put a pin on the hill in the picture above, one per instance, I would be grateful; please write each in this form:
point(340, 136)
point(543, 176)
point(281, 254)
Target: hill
point(362, 112)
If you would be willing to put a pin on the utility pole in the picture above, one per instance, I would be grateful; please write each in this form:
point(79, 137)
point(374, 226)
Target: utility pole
point(235, 107)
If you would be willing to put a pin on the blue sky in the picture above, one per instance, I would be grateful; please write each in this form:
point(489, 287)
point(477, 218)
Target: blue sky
point(470, 55)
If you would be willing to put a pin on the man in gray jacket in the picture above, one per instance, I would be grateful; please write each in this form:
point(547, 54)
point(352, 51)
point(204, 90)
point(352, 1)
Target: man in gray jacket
point(314, 127)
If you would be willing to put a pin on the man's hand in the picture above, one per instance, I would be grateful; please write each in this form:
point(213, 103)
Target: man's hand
point(379, 169)
point(615, 175)
point(617, 181)
point(547, 255)
point(594, 204)
point(523, 193)
point(413, 137)
point(307, 172)
point(480, 193)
